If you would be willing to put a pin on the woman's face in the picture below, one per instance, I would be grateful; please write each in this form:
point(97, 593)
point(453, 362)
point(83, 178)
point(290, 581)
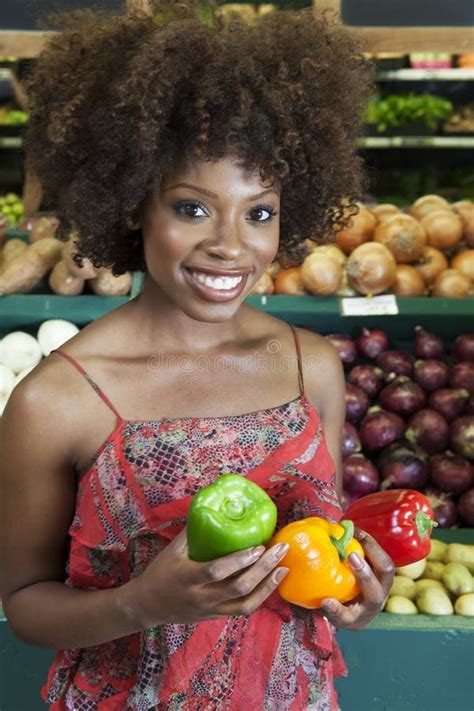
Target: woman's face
point(208, 236)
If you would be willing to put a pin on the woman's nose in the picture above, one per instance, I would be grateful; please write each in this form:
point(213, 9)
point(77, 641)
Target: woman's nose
point(225, 243)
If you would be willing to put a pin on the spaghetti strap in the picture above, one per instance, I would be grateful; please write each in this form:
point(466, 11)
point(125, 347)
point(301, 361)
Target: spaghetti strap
point(300, 363)
point(91, 382)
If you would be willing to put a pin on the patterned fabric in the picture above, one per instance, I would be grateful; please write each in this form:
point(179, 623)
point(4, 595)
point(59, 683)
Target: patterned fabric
point(133, 500)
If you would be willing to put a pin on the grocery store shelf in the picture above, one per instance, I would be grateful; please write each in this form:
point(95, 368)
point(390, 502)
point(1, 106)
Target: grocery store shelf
point(426, 74)
point(422, 623)
point(416, 142)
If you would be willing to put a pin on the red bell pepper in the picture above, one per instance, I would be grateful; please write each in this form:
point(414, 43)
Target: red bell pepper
point(400, 520)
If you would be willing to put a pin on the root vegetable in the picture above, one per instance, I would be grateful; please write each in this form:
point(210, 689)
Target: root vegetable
point(408, 281)
point(372, 342)
point(54, 333)
point(462, 436)
point(384, 211)
point(360, 477)
point(106, 284)
point(444, 229)
point(451, 284)
point(263, 285)
point(431, 374)
point(431, 263)
point(402, 396)
point(61, 281)
point(464, 605)
point(368, 378)
point(457, 579)
point(42, 228)
point(350, 440)
point(429, 430)
point(396, 362)
point(23, 272)
point(404, 586)
point(331, 250)
point(438, 549)
point(357, 403)
point(414, 570)
point(466, 507)
point(464, 263)
point(462, 376)
point(444, 508)
point(427, 345)
point(344, 345)
point(7, 381)
point(321, 274)
point(359, 231)
point(450, 472)
point(379, 429)
point(49, 249)
point(12, 249)
point(463, 349)
point(398, 605)
point(434, 602)
point(460, 553)
point(466, 213)
point(450, 402)
point(403, 236)
point(20, 351)
point(434, 570)
point(371, 268)
point(426, 204)
point(289, 281)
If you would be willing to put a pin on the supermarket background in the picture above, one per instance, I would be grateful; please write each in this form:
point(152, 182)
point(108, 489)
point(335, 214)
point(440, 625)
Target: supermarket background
point(415, 228)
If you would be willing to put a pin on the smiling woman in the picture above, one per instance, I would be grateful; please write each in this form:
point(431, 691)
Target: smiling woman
point(197, 153)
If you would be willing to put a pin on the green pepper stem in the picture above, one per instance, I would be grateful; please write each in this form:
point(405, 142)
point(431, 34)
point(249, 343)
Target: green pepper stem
point(234, 508)
point(424, 524)
point(341, 543)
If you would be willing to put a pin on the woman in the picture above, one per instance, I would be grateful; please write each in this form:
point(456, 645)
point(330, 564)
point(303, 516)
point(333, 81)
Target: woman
point(198, 154)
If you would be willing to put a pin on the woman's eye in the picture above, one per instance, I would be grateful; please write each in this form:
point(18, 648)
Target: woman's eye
point(262, 214)
point(193, 210)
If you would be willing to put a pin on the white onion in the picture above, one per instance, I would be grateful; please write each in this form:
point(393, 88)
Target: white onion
point(20, 351)
point(54, 333)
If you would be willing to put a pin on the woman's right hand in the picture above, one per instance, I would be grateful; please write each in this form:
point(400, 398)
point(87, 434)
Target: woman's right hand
point(175, 589)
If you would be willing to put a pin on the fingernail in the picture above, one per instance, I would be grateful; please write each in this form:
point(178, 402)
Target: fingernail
point(282, 548)
point(279, 574)
point(329, 605)
point(256, 552)
point(356, 561)
point(360, 535)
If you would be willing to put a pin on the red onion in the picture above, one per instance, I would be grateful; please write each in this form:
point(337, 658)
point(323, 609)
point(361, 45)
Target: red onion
point(359, 475)
point(466, 507)
point(403, 466)
point(429, 430)
point(357, 403)
point(450, 473)
point(350, 440)
point(462, 376)
point(347, 499)
point(427, 345)
point(345, 346)
point(402, 396)
point(462, 436)
point(372, 342)
point(368, 378)
point(431, 374)
point(444, 508)
point(450, 403)
point(396, 362)
point(379, 429)
point(463, 348)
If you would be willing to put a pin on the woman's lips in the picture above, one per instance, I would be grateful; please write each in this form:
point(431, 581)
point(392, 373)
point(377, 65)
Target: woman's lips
point(209, 293)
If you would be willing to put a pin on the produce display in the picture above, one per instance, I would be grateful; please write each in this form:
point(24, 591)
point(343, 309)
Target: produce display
point(410, 420)
point(426, 249)
point(11, 211)
point(20, 352)
point(442, 583)
point(26, 266)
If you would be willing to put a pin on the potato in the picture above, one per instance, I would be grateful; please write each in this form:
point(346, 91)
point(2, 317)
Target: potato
point(42, 228)
point(464, 605)
point(49, 249)
point(12, 249)
point(403, 587)
point(460, 553)
point(400, 605)
point(22, 273)
point(434, 570)
point(433, 601)
point(425, 583)
point(413, 571)
point(457, 579)
point(106, 284)
point(437, 550)
point(87, 271)
point(64, 283)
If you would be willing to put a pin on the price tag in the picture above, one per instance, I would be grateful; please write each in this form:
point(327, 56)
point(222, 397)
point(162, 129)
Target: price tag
point(385, 305)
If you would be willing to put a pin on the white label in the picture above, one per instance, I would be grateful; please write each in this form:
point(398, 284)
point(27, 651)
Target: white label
point(385, 305)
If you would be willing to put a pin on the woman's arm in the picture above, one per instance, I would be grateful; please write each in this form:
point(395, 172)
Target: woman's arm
point(37, 500)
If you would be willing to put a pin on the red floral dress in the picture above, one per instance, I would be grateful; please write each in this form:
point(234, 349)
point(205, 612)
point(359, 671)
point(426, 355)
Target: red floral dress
point(132, 501)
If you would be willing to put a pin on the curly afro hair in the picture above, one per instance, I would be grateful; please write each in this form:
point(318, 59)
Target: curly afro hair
point(117, 100)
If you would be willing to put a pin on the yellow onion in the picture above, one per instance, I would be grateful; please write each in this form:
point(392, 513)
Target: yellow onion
point(371, 268)
point(403, 236)
point(443, 228)
point(322, 275)
point(408, 281)
point(289, 281)
point(431, 263)
point(451, 284)
point(359, 231)
point(426, 204)
point(264, 285)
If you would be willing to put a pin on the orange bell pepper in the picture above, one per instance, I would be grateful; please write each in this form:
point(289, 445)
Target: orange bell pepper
point(317, 561)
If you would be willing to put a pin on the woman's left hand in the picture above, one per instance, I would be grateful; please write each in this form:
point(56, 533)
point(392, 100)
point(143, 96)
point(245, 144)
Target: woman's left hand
point(375, 581)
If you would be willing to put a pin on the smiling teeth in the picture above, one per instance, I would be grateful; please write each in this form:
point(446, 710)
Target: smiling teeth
point(217, 283)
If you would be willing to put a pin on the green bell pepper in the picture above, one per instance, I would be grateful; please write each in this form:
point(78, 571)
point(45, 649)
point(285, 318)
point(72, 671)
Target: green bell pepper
point(229, 515)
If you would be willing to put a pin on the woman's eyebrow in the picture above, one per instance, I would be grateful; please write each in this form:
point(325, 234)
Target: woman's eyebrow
point(208, 193)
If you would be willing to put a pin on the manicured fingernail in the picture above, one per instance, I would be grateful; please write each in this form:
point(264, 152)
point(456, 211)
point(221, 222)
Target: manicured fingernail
point(356, 561)
point(282, 549)
point(279, 574)
point(256, 552)
point(360, 535)
point(329, 605)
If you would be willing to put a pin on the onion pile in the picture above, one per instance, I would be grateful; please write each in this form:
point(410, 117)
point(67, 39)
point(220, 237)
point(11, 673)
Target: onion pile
point(410, 419)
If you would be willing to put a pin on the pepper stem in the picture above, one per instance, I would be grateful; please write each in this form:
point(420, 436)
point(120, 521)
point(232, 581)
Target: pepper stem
point(424, 524)
point(233, 508)
point(341, 543)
